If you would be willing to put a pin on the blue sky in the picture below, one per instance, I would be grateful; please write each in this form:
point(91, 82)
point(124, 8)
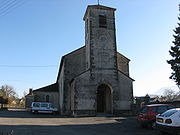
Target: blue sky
point(35, 35)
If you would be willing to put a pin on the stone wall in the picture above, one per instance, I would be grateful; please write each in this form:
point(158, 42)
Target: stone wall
point(29, 100)
point(85, 100)
point(123, 64)
point(125, 93)
point(74, 64)
point(61, 88)
point(84, 93)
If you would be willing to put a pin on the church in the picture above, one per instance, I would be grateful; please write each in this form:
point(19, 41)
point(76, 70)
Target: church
point(93, 79)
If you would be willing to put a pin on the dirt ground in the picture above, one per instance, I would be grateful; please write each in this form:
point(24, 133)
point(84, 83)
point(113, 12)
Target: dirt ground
point(22, 122)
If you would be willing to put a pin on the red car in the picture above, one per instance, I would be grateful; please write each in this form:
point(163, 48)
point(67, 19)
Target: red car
point(147, 115)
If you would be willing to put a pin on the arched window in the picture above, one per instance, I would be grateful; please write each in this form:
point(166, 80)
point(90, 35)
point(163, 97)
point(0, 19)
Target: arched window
point(47, 98)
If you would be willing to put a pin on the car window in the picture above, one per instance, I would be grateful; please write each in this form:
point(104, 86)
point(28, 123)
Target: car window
point(161, 109)
point(36, 104)
point(44, 105)
point(168, 113)
point(144, 109)
point(170, 107)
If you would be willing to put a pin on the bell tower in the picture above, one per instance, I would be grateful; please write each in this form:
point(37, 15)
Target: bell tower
point(100, 38)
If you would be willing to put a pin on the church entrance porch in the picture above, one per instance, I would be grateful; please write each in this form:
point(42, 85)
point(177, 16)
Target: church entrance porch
point(104, 99)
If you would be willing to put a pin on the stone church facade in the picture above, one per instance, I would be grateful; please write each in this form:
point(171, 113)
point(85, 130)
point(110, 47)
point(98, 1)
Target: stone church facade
point(94, 78)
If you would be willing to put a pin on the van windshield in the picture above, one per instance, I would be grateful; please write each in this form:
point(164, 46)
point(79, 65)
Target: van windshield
point(36, 104)
point(44, 105)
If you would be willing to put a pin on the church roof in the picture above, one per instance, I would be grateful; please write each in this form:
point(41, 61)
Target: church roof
point(50, 88)
point(62, 61)
point(97, 7)
point(63, 57)
point(126, 75)
point(120, 54)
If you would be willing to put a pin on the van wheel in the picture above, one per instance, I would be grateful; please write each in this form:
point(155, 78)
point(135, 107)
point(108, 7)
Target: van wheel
point(36, 112)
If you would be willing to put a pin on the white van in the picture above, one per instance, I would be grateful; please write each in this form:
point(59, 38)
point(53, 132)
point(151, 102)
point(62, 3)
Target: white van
point(43, 107)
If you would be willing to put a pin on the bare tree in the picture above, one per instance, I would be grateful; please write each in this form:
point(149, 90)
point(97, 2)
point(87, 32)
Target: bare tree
point(9, 93)
point(168, 95)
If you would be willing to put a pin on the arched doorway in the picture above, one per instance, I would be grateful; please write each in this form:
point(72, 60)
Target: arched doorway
point(104, 99)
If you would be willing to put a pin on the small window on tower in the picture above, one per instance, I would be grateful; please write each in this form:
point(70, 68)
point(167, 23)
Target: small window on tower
point(102, 21)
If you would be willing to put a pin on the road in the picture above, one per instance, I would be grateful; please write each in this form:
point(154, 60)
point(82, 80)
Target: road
point(25, 123)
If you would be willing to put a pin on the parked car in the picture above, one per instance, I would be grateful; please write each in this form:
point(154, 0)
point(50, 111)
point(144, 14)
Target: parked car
point(43, 107)
point(169, 121)
point(147, 115)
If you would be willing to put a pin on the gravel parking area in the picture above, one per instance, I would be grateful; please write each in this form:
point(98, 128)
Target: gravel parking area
point(25, 123)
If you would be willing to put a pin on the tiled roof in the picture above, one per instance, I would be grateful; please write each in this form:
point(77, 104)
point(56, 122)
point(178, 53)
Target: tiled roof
point(50, 88)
